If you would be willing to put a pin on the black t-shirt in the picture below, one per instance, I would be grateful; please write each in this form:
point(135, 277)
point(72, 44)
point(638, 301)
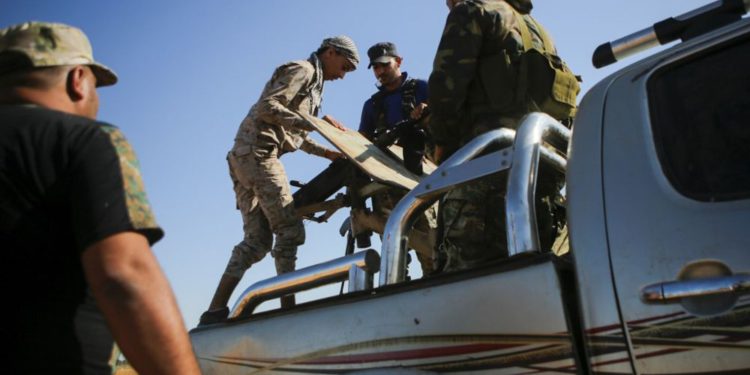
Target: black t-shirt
point(66, 182)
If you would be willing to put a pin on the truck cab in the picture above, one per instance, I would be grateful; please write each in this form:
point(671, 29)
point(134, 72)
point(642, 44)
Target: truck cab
point(655, 280)
point(658, 189)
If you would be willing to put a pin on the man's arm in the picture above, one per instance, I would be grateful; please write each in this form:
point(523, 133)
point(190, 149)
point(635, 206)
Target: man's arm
point(453, 70)
point(422, 95)
point(286, 82)
point(314, 148)
point(366, 121)
point(138, 305)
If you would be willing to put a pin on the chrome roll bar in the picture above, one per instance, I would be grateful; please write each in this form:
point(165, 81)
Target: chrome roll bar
point(358, 268)
point(393, 254)
point(459, 168)
point(520, 215)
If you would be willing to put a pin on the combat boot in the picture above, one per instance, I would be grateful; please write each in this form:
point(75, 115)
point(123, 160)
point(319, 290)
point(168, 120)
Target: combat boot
point(284, 265)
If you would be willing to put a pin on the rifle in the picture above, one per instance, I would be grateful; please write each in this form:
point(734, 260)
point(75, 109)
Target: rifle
point(409, 135)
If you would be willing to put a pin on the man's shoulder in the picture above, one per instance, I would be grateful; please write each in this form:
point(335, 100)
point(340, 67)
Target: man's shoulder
point(472, 5)
point(409, 84)
point(419, 82)
point(297, 66)
point(472, 11)
point(493, 3)
point(422, 87)
point(294, 71)
point(32, 112)
point(371, 99)
point(485, 7)
point(30, 117)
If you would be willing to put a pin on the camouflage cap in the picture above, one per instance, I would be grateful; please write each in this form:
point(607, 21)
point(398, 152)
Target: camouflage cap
point(41, 44)
point(345, 45)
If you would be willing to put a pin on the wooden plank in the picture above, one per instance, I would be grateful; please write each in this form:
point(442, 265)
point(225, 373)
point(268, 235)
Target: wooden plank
point(368, 157)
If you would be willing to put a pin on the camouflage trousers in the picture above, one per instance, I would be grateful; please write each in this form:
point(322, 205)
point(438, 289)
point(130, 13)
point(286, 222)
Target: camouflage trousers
point(473, 217)
point(383, 203)
point(264, 198)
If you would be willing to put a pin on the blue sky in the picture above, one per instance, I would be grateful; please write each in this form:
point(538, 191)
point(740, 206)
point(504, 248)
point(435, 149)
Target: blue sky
point(190, 70)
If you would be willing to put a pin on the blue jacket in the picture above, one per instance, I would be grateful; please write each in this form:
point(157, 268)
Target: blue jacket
point(392, 106)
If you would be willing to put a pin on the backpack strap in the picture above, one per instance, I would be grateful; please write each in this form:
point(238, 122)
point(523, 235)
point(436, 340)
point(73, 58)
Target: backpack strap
point(527, 44)
point(378, 106)
point(547, 51)
point(408, 97)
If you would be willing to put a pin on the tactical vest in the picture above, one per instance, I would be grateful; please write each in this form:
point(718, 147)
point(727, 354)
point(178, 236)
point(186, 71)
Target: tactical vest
point(408, 102)
point(530, 79)
point(413, 141)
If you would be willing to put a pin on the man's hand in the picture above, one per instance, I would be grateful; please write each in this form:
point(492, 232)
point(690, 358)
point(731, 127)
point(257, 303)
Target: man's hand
point(417, 111)
point(437, 155)
point(332, 155)
point(336, 124)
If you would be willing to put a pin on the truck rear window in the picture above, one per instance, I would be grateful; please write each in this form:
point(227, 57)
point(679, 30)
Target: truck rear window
point(700, 115)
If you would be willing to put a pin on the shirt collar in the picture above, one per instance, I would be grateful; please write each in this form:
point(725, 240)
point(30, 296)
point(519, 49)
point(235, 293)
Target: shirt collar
point(404, 76)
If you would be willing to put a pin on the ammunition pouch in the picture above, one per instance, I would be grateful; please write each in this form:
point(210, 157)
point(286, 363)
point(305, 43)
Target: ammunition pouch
point(550, 84)
point(535, 80)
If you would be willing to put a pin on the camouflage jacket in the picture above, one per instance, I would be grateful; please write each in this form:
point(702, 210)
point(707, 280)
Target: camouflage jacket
point(459, 105)
point(296, 86)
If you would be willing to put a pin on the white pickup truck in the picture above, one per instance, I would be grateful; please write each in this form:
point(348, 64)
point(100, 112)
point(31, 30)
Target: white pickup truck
point(657, 276)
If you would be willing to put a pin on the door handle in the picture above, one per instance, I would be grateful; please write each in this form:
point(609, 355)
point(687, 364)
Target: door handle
point(674, 291)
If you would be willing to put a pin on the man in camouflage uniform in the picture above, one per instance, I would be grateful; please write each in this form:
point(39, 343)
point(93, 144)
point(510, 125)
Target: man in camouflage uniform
point(477, 85)
point(271, 129)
